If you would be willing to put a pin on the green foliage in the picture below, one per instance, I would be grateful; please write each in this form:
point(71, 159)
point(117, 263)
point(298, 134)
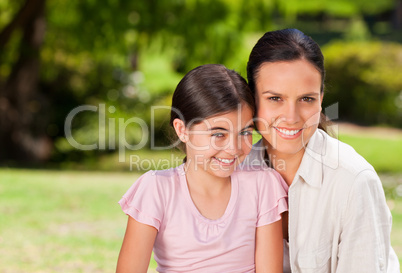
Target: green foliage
point(340, 8)
point(126, 55)
point(131, 54)
point(365, 78)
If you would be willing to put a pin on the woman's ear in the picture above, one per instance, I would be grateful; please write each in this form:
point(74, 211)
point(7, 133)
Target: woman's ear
point(321, 99)
point(180, 129)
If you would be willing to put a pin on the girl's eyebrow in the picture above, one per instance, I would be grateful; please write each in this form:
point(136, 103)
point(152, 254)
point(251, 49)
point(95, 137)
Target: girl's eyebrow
point(218, 128)
point(251, 126)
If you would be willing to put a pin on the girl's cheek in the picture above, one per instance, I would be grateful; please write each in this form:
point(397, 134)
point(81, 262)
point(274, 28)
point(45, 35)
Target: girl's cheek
point(247, 147)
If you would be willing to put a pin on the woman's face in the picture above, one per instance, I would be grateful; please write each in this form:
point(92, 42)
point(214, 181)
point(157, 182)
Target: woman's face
point(288, 98)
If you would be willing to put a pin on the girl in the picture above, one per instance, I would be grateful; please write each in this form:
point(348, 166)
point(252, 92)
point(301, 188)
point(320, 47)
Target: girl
point(338, 218)
point(205, 215)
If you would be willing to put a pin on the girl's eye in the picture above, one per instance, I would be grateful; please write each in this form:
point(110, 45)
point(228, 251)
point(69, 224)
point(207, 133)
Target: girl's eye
point(218, 135)
point(308, 99)
point(275, 98)
point(246, 133)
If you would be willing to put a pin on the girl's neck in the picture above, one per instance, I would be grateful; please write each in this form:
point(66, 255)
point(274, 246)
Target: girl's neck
point(286, 164)
point(210, 194)
point(203, 182)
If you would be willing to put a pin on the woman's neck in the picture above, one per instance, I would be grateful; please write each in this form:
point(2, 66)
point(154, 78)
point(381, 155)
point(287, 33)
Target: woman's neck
point(286, 164)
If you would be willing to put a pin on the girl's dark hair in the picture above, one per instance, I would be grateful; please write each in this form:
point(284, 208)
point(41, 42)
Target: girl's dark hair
point(209, 90)
point(285, 45)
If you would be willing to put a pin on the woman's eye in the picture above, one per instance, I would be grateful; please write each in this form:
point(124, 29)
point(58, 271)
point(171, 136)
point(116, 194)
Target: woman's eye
point(308, 99)
point(275, 98)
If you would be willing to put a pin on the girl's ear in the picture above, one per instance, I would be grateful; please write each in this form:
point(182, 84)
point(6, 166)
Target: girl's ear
point(180, 129)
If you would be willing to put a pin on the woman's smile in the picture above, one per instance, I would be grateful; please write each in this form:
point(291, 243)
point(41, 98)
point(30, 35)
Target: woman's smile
point(288, 104)
point(288, 133)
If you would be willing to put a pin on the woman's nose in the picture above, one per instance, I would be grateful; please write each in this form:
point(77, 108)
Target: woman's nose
point(291, 113)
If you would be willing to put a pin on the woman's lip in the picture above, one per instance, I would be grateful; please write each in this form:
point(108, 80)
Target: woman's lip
point(288, 133)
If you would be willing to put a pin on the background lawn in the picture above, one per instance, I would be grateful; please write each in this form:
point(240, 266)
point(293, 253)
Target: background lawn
point(61, 221)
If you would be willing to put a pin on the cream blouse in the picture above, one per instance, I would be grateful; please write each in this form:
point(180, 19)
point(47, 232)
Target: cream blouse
point(338, 217)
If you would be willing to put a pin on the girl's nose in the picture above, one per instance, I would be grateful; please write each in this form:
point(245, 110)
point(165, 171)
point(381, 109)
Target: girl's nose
point(233, 146)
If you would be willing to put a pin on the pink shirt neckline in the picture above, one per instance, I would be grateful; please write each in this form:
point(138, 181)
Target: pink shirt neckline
point(195, 211)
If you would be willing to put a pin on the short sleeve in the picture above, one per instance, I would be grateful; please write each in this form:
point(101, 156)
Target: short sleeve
point(272, 194)
point(143, 200)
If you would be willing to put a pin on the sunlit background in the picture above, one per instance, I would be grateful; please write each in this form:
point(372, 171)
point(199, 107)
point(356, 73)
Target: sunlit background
point(92, 70)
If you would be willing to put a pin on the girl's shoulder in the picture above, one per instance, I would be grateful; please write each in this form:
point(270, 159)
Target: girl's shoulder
point(256, 171)
point(260, 175)
point(159, 178)
point(163, 174)
point(148, 197)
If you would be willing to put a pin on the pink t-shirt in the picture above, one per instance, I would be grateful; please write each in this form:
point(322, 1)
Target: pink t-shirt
point(187, 241)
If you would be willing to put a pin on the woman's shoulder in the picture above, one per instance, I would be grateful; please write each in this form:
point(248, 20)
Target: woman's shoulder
point(343, 157)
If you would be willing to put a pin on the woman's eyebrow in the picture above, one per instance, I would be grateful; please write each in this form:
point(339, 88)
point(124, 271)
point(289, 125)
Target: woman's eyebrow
point(313, 94)
point(272, 92)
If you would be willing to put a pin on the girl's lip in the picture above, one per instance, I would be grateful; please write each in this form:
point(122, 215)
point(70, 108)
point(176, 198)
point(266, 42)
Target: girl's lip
point(288, 133)
point(229, 161)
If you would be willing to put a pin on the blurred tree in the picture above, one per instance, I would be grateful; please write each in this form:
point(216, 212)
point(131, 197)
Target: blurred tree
point(365, 79)
point(92, 48)
point(22, 123)
point(101, 52)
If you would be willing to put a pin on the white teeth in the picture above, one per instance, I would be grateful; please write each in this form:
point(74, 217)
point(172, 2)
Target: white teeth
point(288, 132)
point(223, 160)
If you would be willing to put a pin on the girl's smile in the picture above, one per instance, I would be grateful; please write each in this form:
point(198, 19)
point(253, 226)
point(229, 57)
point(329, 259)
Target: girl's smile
point(225, 161)
point(216, 145)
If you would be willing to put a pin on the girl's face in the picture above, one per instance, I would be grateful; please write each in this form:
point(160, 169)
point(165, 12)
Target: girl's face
point(218, 144)
point(288, 98)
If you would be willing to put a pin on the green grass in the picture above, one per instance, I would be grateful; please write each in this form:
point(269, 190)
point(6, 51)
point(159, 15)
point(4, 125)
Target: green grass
point(384, 154)
point(396, 234)
point(61, 221)
point(66, 221)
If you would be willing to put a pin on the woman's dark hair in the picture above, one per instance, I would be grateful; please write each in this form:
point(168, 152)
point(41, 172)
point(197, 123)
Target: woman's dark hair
point(285, 45)
point(209, 90)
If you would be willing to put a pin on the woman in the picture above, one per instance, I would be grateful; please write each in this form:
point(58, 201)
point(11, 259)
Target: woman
point(338, 220)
